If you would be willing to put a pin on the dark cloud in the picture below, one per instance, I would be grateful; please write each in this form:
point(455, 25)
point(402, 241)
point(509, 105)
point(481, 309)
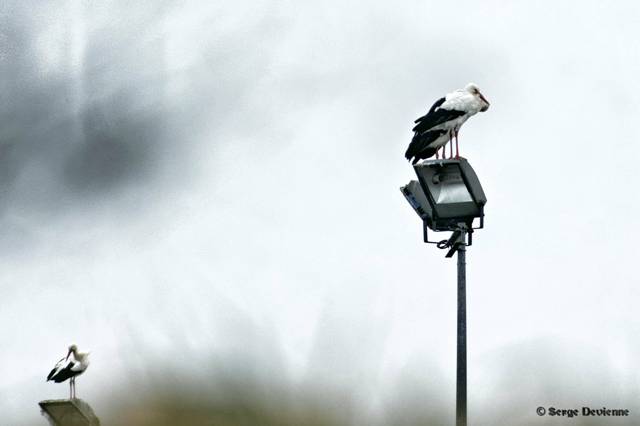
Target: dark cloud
point(116, 147)
point(109, 120)
point(85, 129)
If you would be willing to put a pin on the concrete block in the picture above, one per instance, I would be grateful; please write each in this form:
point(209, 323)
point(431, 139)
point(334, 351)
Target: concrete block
point(69, 412)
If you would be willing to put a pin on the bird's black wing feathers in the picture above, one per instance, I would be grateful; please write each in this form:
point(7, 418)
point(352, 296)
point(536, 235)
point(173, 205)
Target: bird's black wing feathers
point(64, 373)
point(436, 116)
point(55, 369)
point(51, 374)
point(436, 104)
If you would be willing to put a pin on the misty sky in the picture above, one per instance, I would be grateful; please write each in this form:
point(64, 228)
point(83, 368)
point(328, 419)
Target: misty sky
point(196, 181)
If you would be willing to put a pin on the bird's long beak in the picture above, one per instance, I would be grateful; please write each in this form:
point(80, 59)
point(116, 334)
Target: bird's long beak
point(486, 107)
point(68, 354)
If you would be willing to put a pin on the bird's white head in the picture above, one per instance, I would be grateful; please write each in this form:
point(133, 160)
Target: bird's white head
point(475, 91)
point(73, 348)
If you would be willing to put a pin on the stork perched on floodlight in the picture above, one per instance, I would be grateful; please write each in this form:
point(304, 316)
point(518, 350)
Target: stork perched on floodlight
point(70, 368)
point(443, 121)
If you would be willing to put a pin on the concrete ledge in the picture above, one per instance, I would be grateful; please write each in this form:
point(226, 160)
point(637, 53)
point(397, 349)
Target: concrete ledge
point(69, 412)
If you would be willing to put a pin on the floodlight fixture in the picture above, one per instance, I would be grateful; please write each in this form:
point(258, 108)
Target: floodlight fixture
point(446, 194)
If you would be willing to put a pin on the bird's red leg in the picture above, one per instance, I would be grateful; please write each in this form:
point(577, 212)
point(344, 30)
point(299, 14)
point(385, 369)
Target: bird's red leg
point(451, 146)
point(457, 150)
point(437, 156)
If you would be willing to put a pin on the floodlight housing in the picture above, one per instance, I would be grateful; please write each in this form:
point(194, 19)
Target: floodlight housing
point(446, 194)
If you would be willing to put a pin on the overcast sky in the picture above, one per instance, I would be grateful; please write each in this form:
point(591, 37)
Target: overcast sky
point(219, 180)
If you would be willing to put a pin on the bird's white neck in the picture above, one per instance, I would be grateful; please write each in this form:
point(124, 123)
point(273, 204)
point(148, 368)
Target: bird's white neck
point(79, 356)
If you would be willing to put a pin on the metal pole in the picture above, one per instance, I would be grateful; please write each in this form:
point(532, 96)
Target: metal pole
point(461, 367)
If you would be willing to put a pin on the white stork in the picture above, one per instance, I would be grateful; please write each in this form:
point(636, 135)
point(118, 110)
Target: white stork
point(68, 368)
point(443, 121)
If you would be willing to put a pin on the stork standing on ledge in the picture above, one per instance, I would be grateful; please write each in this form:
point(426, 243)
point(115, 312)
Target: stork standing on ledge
point(443, 121)
point(68, 368)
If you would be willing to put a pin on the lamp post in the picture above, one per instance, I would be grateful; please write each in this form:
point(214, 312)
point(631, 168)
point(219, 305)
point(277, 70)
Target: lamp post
point(448, 197)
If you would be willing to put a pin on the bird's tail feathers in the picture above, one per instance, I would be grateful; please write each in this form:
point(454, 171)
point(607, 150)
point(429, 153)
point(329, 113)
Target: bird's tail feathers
point(419, 119)
point(424, 154)
point(419, 149)
point(413, 147)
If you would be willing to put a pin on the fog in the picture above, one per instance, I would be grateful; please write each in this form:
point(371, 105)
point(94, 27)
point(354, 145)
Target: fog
point(206, 197)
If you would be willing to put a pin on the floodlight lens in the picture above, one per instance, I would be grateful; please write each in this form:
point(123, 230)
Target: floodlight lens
point(452, 188)
point(446, 185)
